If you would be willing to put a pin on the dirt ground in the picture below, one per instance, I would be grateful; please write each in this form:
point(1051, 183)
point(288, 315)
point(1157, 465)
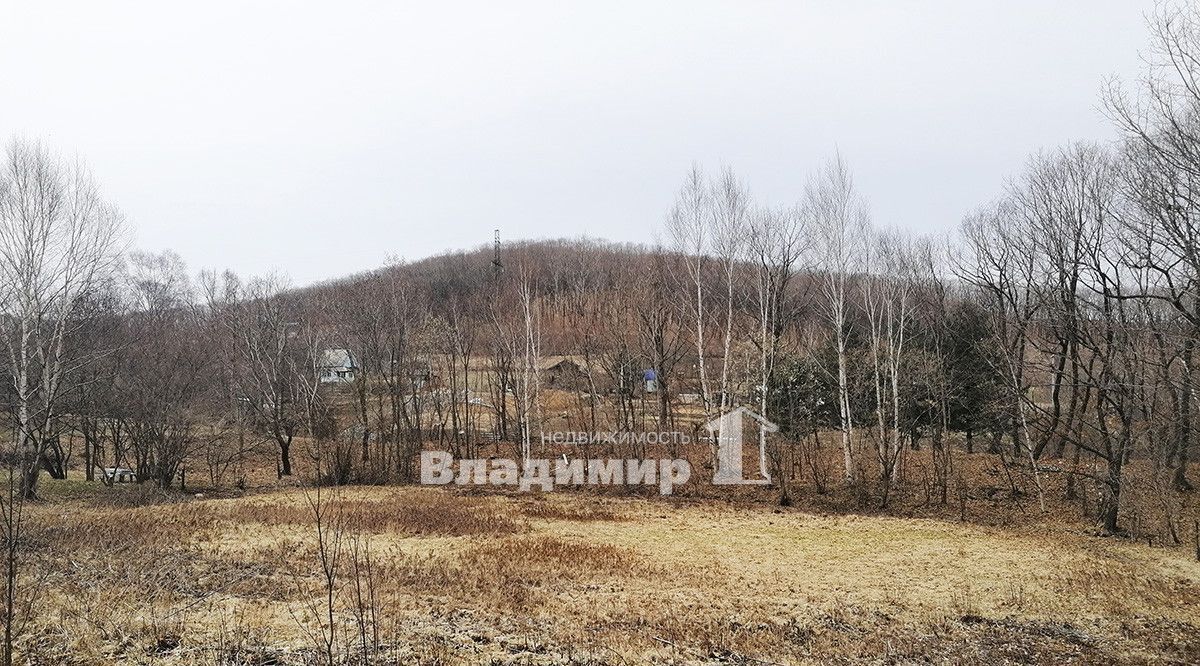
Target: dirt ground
point(435, 576)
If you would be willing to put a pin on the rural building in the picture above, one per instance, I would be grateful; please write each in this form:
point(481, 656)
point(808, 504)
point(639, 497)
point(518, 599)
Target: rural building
point(564, 374)
point(337, 366)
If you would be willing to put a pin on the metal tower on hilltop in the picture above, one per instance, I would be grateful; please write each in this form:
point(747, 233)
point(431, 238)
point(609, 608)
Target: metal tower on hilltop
point(496, 265)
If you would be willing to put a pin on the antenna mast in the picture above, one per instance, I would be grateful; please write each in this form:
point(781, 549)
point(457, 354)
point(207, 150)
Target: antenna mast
point(496, 256)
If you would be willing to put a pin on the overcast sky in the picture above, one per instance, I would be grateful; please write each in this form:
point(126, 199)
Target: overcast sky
point(316, 139)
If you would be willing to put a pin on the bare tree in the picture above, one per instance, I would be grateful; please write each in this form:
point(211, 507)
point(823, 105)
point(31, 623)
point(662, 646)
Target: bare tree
point(528, 385)
point(777, 242)
point(688, 228)
point(59, 240)
point(1161, 124)
point(889, 301)
point(171, 367)
point(731, 210)
point(262, 325)
point(841, 220)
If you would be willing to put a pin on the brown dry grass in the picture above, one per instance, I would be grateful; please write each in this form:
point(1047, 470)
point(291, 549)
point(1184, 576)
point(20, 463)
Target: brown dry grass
point(577, 578)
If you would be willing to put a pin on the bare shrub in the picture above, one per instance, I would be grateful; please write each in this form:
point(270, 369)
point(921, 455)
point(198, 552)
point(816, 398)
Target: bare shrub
point(439, 514)
point(551, 510)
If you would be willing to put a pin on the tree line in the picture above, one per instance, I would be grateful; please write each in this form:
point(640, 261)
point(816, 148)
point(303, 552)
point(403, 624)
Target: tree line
point(1055, 329)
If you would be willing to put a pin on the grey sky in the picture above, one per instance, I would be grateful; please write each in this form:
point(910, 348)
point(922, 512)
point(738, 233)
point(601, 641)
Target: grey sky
point(318, 138)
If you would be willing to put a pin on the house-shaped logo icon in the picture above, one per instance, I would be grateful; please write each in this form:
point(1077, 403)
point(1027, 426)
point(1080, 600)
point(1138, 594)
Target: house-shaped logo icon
point(727, 428)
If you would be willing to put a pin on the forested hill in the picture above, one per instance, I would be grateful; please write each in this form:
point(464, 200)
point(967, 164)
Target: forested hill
point(557, 271)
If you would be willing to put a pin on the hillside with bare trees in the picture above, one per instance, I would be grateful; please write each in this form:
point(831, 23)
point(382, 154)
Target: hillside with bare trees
point(784, 432)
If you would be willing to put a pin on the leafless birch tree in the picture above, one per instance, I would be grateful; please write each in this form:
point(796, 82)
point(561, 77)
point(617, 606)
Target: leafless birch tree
point(841, 220)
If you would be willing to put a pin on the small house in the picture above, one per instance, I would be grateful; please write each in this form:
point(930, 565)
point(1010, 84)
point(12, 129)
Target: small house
point(564, 374)
point(337, 366)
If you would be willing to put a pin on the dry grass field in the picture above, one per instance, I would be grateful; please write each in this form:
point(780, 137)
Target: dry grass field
point(431, 576)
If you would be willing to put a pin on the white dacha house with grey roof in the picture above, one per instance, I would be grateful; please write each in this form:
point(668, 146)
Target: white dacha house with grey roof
point(337, 366)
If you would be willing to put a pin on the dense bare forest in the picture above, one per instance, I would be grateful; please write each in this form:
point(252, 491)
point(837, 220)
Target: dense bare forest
point(1056, 329)
point(1040, 359)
